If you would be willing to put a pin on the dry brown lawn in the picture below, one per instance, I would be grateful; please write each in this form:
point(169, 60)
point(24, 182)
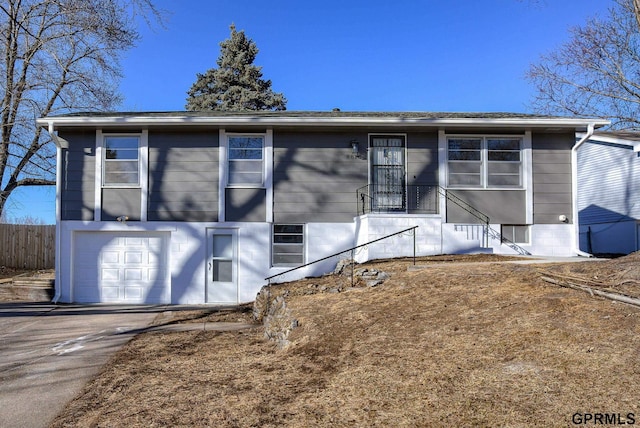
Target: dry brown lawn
point(6, 272)
point(456, 343)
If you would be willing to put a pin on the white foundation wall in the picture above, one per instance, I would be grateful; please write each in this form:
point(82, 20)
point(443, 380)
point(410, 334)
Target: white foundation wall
point(463, 238)
point(187, 248)
point(370, 227)
point(434, 237)
point(187, 254)
point(322, 240)
point(554, 240)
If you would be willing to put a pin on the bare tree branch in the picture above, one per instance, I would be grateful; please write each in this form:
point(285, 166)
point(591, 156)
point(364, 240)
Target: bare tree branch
point(596, 73)
point(57, 56)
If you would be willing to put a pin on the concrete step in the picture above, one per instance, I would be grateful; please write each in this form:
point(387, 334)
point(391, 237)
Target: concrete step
point(33, 282)
point(27, 288)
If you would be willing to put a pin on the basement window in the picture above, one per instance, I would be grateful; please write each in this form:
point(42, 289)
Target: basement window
point(518, 234)
point(288, 245)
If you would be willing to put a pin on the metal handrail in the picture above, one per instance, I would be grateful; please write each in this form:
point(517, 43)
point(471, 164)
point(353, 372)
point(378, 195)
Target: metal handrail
point(352, 250)
point(517, 248)
point(412, 198)
point(449, 196)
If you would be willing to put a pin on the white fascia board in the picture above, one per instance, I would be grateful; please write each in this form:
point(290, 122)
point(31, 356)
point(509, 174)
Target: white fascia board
point(612, 140)
point(346, 121)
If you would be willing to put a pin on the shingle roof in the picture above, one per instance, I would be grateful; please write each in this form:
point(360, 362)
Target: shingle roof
point(324, 119)
point(317, 114)
point(621, 135)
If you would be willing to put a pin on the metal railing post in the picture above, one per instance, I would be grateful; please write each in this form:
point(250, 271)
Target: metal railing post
point(414, 247)
point(486, 236)
point(353, 265)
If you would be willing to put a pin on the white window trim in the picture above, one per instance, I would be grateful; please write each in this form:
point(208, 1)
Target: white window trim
point(97, 210)
point(223, 170)
point(527, 176)
point(222, 173)
point(304, 245)
point(444, 153)
point(143, 172)
point(268, 173)
point(527, 171)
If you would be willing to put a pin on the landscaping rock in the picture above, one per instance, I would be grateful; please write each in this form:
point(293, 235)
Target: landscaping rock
point(372, 277)
point(279, 323)
point(261, 304)
point(344, 266)
point(272, 311)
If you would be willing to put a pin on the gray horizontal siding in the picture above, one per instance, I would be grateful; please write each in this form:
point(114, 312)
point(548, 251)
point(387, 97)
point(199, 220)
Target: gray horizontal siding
point(173, 214)
point(174, 201)
point(608, 183)
point(551, 163)
point(183, 176)
point(156, 182)
point(120, 202)
point(315, 178)
point(501, 206)
point(293, 212)
point(78, 175)
point(553, 178)
point(541, 191)
point(550, 198)
point(245, 204)
point(305, 199)
point(422, 158)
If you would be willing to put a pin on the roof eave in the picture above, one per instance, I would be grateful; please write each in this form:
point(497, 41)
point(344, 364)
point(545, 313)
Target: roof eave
point(614, 140)
point(222, 121)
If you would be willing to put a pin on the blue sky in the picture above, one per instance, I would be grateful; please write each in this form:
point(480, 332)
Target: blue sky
point(373, 55)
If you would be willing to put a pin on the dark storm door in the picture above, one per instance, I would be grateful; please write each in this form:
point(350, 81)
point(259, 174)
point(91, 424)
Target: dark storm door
point(387, 173)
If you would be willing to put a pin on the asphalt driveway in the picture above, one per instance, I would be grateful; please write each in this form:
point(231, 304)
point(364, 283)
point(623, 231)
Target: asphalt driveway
point(49, 352)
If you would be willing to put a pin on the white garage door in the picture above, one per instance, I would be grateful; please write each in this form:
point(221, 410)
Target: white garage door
point(120, 268)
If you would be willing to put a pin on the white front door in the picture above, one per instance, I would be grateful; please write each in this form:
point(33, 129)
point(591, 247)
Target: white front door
point(222, 266)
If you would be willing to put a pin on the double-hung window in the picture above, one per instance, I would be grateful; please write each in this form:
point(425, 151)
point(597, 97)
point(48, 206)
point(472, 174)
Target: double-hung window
point(288, 245)
point(121, 161)
point(246, 161)
point(484, 162)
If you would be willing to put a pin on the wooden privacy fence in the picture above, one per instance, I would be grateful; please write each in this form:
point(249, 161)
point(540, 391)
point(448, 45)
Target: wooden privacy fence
point(27, 246)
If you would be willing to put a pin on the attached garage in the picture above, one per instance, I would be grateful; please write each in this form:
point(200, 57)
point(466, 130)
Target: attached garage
point(120, 267)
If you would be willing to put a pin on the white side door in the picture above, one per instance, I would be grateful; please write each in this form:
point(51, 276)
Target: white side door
point(222, 266)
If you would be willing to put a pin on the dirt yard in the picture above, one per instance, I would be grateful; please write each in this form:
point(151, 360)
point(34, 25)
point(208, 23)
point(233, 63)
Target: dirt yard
point(461, 341)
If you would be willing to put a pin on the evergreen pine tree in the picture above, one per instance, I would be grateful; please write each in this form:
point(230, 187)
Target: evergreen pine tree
point(237, 83)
